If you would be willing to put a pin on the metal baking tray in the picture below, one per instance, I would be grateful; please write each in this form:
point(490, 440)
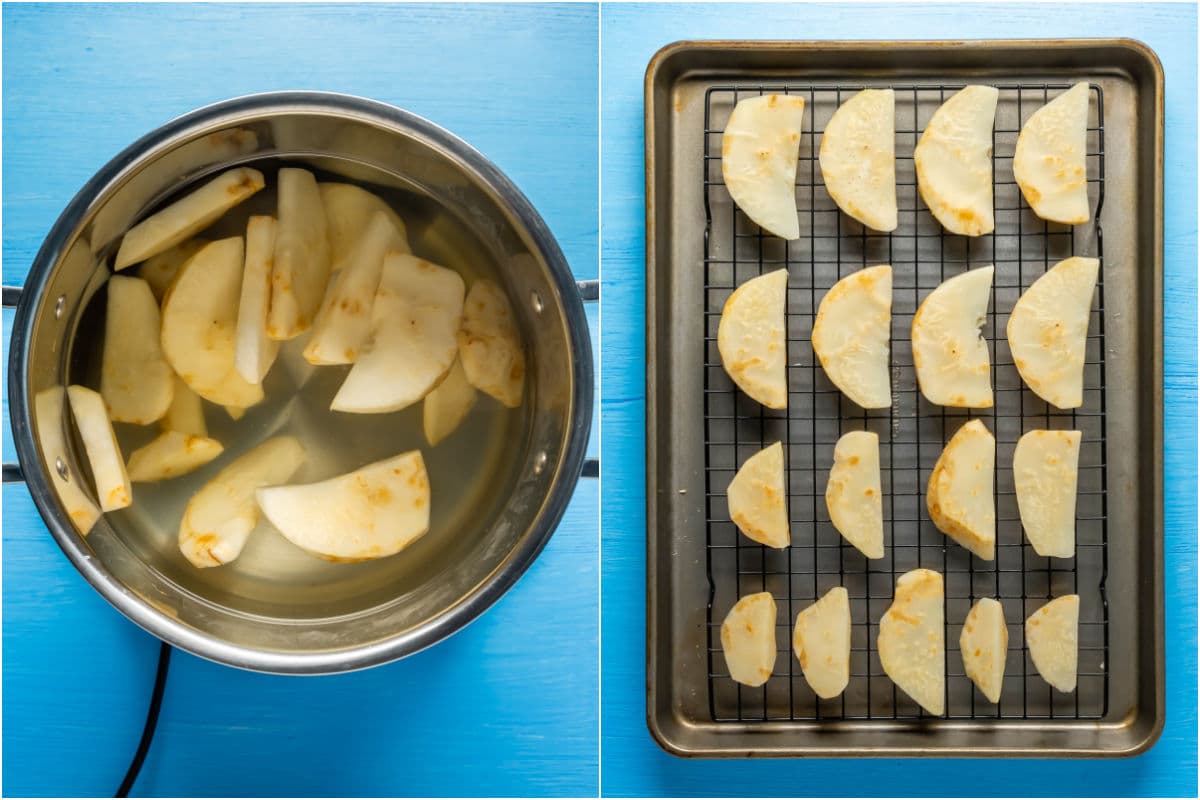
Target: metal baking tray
point(699, 427)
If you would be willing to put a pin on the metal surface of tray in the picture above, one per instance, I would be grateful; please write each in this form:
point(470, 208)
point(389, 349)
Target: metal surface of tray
point(700, 247)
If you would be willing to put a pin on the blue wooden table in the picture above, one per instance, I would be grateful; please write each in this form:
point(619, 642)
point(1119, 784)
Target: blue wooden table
point(632, 764)
point(508, 706)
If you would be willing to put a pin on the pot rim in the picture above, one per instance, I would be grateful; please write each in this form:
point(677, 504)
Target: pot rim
point(479, 598)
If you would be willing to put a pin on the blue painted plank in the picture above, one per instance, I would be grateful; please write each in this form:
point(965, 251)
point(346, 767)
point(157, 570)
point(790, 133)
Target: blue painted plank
point(632, 764)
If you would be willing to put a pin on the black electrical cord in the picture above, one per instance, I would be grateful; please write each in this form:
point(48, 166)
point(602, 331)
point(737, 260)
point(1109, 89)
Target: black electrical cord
point(139, 756)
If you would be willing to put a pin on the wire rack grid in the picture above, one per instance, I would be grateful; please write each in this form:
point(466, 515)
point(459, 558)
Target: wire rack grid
point(912, 432)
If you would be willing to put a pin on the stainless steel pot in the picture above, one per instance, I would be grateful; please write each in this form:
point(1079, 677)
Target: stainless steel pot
point(357, 139)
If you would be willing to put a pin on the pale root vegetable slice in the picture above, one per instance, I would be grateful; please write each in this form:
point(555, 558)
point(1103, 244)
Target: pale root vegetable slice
point(959, 495)
point(858, 158)
point(135, 379)
point(100, 444)
point(48, 407)
point(851, 333)
point(170, 455)
point(954, 161)
point(255, 351)
point(950, 355)
point(199, 325)
point(445, 407)
point(912, 639)
point(414, 326)
point(187, 216)
point(757, 498)
point(1052, 636)
point(1045, 477)
point(821, 641)
point(748, 639)
point(984, 646)
point(343, 324)
point(1050, 162)
point(186, 413)
point(348, 211)
point(159, 271)
point(1047, 331)
point(301, 268)
point(853, 494)
point(220, 517)
point(489, 344)
point(752, 338)
point(372, 512)
point(759, 151)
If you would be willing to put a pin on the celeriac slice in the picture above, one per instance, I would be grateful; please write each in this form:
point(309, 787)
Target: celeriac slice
point(489, 344)
point(984, 646)
point(186, 412)
point(950, 355)
point(221, 516)
point(445, 407)
point(748, 639)
point(759, 151)
point(959, 495)
point(348, 211)
point(821, 641)
point(858, 158)
point(1047, 331)
point(851, 332)
point(255, 351)
point(372, 512)
point(954, 161)
point(100, 444)
point(170, 455)
point(1052, 636)
point(1050, 162)
point(1045, 477)
point(343, 324)
point(187, 216)
point(414, 326)
point(159, 271)
point(135, 379)
point(853, 494)
point(48, 407)
point(757, 498)
point(751, 338)
point(301, 268)
point(912, 639)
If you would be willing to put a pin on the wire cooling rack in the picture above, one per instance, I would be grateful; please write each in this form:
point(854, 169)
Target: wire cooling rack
point(912, 432)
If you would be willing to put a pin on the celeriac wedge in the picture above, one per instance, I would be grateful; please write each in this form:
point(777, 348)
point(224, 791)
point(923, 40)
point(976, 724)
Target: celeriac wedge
point(912, 639)
point(858, 158)
point(159, 271)
point(170, 455)
point(255, 351)
point(954, 161)
point(221, 516)
point(186, 412)
point(1050, 162)
point(199, 325)
point(135, 379)
point(301, 268)
point(959, 495)
point(759, 151)
point(1047, 331)
point(757, 498)
point(751, 338)
point(372, 512)
point(489, 344)
point(748, 639)
point(821, 641)
point(984, 646)
point(1045, 477)
point(187, 216)
point(851, 332)
point(445, 407)
point(950, 355)
point(48, 407)
point(348, 211)
point(100, 444)
point(414, 327)
point(853, 494)
point(1052, 636)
